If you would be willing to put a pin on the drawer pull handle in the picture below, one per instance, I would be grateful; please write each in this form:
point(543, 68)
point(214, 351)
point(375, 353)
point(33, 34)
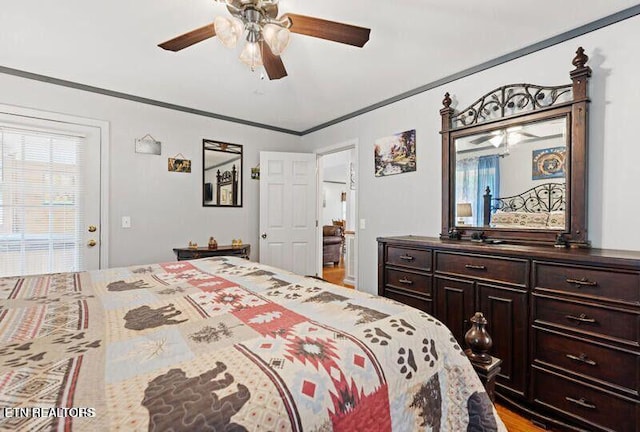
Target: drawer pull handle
point(582, 402)
point(406, 257)
point(475, 267)
point(405, 281)
point(582, 358)
point(581, 319)
point(582, 282)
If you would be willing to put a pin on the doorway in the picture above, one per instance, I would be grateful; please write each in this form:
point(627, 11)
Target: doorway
point(337, 210)
point(52, 183)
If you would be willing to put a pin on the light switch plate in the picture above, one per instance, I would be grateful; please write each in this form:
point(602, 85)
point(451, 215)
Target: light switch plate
point(126, 222)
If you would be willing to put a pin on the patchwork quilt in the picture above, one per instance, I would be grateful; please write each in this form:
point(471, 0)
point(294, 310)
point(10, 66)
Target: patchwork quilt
point(225, 344)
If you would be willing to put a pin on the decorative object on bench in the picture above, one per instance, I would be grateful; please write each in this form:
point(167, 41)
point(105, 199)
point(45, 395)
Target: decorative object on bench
point(193, 245)
point(332, 239)
point(213, 244)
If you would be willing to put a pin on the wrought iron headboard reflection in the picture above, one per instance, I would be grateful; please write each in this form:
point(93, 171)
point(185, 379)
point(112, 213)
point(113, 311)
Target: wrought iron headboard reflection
point(546, 197)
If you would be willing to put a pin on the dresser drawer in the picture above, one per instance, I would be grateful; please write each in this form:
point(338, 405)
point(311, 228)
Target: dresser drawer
point(588, 282)
point(586, 403)
point(407, 257)
point(409, 281)
point(506, 270)
point(616, 367)
point(617, 324)
point(413, 300)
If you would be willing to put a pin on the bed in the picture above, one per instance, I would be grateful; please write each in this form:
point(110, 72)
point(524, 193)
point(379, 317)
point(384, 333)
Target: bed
point(541, 207)
point(225, 344)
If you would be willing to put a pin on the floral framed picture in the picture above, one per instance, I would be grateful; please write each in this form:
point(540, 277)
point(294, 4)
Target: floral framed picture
point(395, 154)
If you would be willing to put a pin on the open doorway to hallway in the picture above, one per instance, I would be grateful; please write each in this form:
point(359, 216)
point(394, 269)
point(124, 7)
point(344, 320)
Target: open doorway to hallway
point(337, 215)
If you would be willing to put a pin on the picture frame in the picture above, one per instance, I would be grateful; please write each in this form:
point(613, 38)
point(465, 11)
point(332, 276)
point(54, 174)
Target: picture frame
point(395, 154)
point(548, 163)
point(181, 165)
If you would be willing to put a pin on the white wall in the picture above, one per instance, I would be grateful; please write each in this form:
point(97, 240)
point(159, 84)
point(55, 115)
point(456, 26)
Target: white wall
point(165, 208)
point(332, 203)
point(410, 203)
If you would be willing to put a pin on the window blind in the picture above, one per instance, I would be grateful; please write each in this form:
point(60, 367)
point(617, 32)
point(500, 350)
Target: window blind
point(41, 201)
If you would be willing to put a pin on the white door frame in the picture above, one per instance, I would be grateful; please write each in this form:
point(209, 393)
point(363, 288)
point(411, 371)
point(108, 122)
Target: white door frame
point(336, 148)
point(103, 127)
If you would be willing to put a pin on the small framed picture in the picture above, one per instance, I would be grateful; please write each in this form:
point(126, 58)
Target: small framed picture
point(180, 165)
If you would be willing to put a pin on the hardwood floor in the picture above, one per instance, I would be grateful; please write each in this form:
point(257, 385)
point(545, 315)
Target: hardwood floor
point(513, 421)
point(335, 273)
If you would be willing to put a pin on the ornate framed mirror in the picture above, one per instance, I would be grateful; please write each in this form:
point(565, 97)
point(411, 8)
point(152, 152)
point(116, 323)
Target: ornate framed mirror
point(514, 164)
point(221, 174)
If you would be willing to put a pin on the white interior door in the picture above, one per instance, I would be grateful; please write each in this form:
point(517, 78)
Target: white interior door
point(50, 196)
point(287, 211)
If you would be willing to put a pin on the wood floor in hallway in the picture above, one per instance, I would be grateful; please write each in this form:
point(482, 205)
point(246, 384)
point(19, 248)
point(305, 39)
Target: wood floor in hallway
point(335, 274)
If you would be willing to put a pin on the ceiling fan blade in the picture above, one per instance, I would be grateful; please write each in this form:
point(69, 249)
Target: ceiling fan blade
point(272, 64)
point(482, 139)
point(190, 38)
point(330, 30)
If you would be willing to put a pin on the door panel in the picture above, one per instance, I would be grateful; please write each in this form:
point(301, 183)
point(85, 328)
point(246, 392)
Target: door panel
point(287, 211)
point(455, 301)
point(506, 313)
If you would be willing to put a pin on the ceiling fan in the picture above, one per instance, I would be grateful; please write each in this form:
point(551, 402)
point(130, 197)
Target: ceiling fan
point(510, 136)
point(258, 21)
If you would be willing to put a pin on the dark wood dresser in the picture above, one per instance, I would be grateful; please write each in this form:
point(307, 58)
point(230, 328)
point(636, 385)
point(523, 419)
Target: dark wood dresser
point(565, 322)
point(202, 252)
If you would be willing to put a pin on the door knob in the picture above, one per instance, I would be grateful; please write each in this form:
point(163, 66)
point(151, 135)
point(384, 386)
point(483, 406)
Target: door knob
point(92, 228)
point(264, 235)
point(91, 243)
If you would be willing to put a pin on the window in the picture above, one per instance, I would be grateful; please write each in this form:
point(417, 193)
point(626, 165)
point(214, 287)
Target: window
point(40, 201)
point(473, 176)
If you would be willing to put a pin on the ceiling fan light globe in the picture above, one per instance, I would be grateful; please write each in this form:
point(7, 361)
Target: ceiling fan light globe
point(276, 37)
point(496, 141)
point(251, 55)
point(228, 30)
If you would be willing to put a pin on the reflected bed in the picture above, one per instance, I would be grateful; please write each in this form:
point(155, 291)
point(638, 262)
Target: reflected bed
point(542, 207)
point(227, 344)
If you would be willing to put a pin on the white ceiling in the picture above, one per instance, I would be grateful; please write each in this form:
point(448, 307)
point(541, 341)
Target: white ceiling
point(112, 44)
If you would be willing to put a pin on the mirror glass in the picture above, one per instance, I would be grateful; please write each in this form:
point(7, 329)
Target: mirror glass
point(222, 174)
point(524, 168)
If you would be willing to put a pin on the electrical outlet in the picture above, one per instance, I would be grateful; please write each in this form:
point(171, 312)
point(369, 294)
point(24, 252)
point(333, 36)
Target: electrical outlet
point(363, 224)
point(126, 221)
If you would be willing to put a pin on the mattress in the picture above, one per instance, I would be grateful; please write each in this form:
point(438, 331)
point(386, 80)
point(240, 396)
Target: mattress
point(225, 344)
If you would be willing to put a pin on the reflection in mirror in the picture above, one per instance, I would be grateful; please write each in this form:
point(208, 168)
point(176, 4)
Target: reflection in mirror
point(222, 174)
point(513, 177)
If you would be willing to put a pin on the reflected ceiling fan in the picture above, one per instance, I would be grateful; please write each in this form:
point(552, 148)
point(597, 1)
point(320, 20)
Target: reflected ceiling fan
point(510, 136)
point(258, 22)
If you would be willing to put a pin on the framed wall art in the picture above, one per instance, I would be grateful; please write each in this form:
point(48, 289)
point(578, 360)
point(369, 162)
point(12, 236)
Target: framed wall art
point(395, 154)
point(548, 163)
point(179, 164)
